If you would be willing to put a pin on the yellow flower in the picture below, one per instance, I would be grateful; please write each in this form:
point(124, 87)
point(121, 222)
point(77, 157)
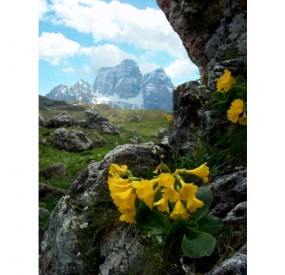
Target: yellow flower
point(162, 205)
point(128, 204)
point(166, 180)
point(144, 187)
point(145, 192)
point(202, 172)
point(128, 216)
point(170, 194)
point(116, 170)
point(169, 118)
point(235, 110)
point(179, 211)
point(150, 197)
point(157, 169)
point(243, 120)
point(225, 82)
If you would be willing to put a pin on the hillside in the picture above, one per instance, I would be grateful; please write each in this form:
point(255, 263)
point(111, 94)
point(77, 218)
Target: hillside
point(134, 126)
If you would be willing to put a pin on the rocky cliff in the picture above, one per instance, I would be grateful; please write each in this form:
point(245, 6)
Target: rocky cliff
point(213, 33)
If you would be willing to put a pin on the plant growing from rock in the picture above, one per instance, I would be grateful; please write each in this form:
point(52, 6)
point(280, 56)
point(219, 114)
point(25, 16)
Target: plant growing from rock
point(231, 97)
point(166, 207)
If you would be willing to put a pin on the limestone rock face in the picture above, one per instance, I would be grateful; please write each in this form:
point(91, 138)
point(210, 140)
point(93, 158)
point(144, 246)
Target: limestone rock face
point(72, 141)
point(59, 248)
point(211, 31)
point(188, 99)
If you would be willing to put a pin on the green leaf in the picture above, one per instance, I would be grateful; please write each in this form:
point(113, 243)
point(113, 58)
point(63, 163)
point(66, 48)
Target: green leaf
point(240, 81)
point(220, 97)
point(151, 221)
point(210, 224)
point(196, 244)
point(175, 227)
point(204, 194)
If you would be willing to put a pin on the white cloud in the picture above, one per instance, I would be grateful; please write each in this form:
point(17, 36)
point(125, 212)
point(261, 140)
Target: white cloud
point(107, 55)
point(118, 22)
point(43, 8)
point(180, 68)
point(68, 70)
point(53, 47)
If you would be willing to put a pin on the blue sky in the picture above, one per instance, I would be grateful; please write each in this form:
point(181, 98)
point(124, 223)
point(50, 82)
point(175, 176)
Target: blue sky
point(77, 37)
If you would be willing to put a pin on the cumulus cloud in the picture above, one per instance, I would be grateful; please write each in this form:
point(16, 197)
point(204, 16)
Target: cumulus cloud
point(180, 68)
point(107, 55)
point(54, 47)
point(43, 8)
point(118, 22)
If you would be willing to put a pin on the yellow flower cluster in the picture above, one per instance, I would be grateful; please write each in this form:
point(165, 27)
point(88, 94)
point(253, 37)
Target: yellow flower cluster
point(225, 82)
point(164, 192)
point(237, 113)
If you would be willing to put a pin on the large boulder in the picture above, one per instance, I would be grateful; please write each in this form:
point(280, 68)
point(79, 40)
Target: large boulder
point(72, 141)
point(60, 119)
point(96, 121)
point(61, 243)
point(212, 32)
point(53, 171)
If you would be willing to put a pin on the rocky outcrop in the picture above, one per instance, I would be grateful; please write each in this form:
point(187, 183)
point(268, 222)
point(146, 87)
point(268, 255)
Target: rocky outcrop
point(188, 99)
point(53, 171)
point(95, 121)
point(72, 141)
point(60, 247)
point(213, 32)
point(60, 119)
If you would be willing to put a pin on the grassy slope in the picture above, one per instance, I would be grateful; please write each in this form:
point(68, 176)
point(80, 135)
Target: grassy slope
point(146, 129)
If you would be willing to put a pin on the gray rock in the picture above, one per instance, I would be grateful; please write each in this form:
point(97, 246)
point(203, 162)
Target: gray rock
point(238, 213)
point(236, 265)
point(228, 191)
point(135, 118)
point(41, 120)
point(188, 99)
point(60, 119)
point(59, 247)
point(53, 171)
point(162, 132)
point(121, 250)
point(72, 141)
point(95, 121)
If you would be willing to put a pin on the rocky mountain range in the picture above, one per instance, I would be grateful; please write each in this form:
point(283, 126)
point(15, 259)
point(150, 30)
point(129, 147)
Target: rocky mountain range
point(121, 86)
